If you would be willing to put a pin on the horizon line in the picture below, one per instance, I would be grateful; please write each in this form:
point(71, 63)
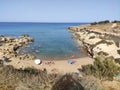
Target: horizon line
point(51, 21)
point(54, 21)
point(38, 22)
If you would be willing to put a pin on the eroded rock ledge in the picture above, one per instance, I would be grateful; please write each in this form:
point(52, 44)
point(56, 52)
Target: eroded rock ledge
point(100, 38)
point(10, 47)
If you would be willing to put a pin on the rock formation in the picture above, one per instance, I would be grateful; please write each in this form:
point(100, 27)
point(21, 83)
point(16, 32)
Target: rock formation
point(10, 46)
point(99, 38)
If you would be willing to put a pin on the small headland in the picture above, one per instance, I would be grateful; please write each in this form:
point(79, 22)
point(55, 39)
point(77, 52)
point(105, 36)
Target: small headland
point(99, 38)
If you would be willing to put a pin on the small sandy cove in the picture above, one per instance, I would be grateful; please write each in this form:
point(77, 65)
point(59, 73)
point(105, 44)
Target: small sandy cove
point(52, 66)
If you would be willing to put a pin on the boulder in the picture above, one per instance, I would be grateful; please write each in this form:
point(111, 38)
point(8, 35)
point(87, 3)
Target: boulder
point(114, 25)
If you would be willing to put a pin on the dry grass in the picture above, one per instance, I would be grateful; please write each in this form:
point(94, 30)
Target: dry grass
point(11, 79)
point(32, 79)
point(111, 85)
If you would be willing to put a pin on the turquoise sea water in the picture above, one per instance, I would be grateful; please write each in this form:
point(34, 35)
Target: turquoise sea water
point(52, 40)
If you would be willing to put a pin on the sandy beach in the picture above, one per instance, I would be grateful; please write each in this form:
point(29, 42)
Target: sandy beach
point(57, 66)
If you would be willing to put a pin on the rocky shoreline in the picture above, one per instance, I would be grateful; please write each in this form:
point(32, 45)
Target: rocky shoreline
point(100, 38)
point(10, 47)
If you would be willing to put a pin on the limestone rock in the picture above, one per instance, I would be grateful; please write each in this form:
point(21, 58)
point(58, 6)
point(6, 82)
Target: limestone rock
point(10, 46)
point(95, 39)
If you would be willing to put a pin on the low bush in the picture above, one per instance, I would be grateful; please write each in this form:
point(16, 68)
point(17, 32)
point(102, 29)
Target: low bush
point(104, 22)
point(27, 79)
point(31, 70)
point(115, 21)
point(103, 53)
point(94, 23)
point(106, 69)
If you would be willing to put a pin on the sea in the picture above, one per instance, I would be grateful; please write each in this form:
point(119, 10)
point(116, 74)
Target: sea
point(52, 40)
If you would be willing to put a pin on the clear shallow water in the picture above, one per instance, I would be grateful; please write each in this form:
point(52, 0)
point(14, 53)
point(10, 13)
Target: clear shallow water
point(52, 40)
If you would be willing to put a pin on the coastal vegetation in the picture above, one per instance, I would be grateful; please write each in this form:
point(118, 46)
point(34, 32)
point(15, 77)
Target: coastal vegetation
point(101, 22)
point(32, 79)
point(94, 78)
point(103, 69)
point(27, 79)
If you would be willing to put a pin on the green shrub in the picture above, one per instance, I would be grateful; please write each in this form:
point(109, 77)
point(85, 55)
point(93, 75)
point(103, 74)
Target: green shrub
point(31, 70)
point(103, 53)
point(104, 22)
point(106, 69)
point(116, 21)
point(94, 23)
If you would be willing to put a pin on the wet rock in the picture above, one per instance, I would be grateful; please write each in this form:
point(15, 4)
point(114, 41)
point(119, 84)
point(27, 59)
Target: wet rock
point(114, 25)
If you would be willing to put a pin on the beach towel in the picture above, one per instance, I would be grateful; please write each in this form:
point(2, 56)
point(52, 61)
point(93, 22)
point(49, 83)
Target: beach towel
point(71, 61)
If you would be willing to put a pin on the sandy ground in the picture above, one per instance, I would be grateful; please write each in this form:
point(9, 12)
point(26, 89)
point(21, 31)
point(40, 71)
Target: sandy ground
point(59, 66)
